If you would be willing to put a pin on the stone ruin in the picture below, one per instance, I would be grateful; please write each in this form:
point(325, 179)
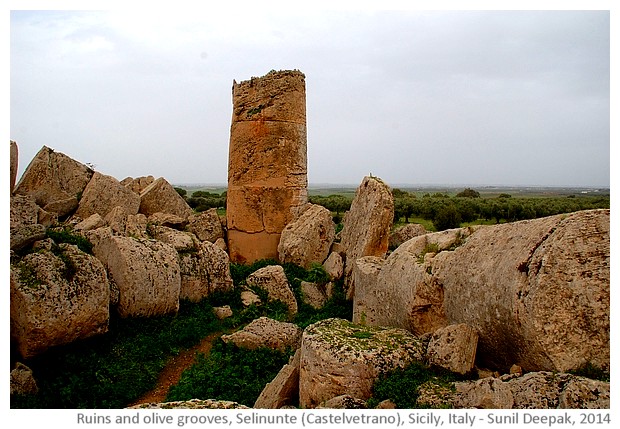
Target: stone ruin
point(484, 295)
point(267, 170)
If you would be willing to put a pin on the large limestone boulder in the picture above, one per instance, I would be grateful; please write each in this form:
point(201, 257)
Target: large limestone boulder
point(103, 193)
point(365, 272)
point(206, 225)
point(146, 274)
point(339, 357)
point(534, 390)
point(405, 293)
point(54, 180)
point(272, 280)
point(266, 332)
point(57, 299)
point(204, 271)
point(160, 196)
point(283, 390)
point(367, 224)
point(14, 162)
point(130, 225)
point(537, 292)
point(308, 238)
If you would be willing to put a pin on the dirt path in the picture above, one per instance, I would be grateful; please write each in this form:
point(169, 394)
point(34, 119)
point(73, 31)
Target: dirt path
point(171, 374)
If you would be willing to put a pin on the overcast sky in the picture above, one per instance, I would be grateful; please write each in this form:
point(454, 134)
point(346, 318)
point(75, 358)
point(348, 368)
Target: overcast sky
point(417, 97)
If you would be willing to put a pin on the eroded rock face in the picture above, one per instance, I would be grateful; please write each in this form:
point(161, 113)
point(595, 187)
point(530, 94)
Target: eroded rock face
point(138, 184)
point(267, 170)
point(265, 332)
point(272, 279)
point(406, 233)
point(24, 211)
point(284, 388)
point(204, 271)
point(453, 348)
point(308, 238)
point(145, 272)
point(160, 196)
point(22, 381)
point(57, 299)
point(103, 193)
point(537, 291)
point(535, 390)
point(206, 225)
point(365, 272)
point(52, 177)
point(339, 357)
point(367, 224)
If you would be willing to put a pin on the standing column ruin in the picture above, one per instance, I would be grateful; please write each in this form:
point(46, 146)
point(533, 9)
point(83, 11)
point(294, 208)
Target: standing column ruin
point(267, 164)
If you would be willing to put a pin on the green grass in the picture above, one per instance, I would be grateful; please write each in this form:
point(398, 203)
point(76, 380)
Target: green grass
point(229, 373)
point(401, 385)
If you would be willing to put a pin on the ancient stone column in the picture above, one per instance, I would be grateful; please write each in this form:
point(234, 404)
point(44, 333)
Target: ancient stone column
point(267, 167)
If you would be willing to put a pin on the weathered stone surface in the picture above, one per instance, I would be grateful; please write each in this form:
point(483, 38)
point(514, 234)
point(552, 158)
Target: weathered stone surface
point(168, 219)
point(314, 294)
point(249, 298)
point(160, 196)
point(365, 272)
point(283, 390)
point(265, 332)
point(535, 390)
point(181, 241)
point(405, 233)
point(537, 292)
point(56, 300)
point(138, 184)
point(62, 207)
point(453, 348)
point(103, 193)
point(273, 281)
point(22, 381)
point(26, 235)
point(267, 170)
point(344, 402)
point(223, 312)
point(367, 224)
point(334, 265)
point(146, 273)
point(14, 162)
point(93, 221)
point(204, 271)
point(125, 224)
point(53, 176)
point(338, 357)
point(406, 294)
point(196, 404)
point(308, 238)
point(24, 211)
point(206, 225)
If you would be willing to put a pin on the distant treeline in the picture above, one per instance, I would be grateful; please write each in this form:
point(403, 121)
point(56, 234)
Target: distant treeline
point(469, 207)
point(440, 209)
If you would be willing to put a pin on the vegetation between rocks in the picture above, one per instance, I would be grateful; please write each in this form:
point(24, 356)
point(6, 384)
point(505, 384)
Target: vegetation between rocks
point(114, 369)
